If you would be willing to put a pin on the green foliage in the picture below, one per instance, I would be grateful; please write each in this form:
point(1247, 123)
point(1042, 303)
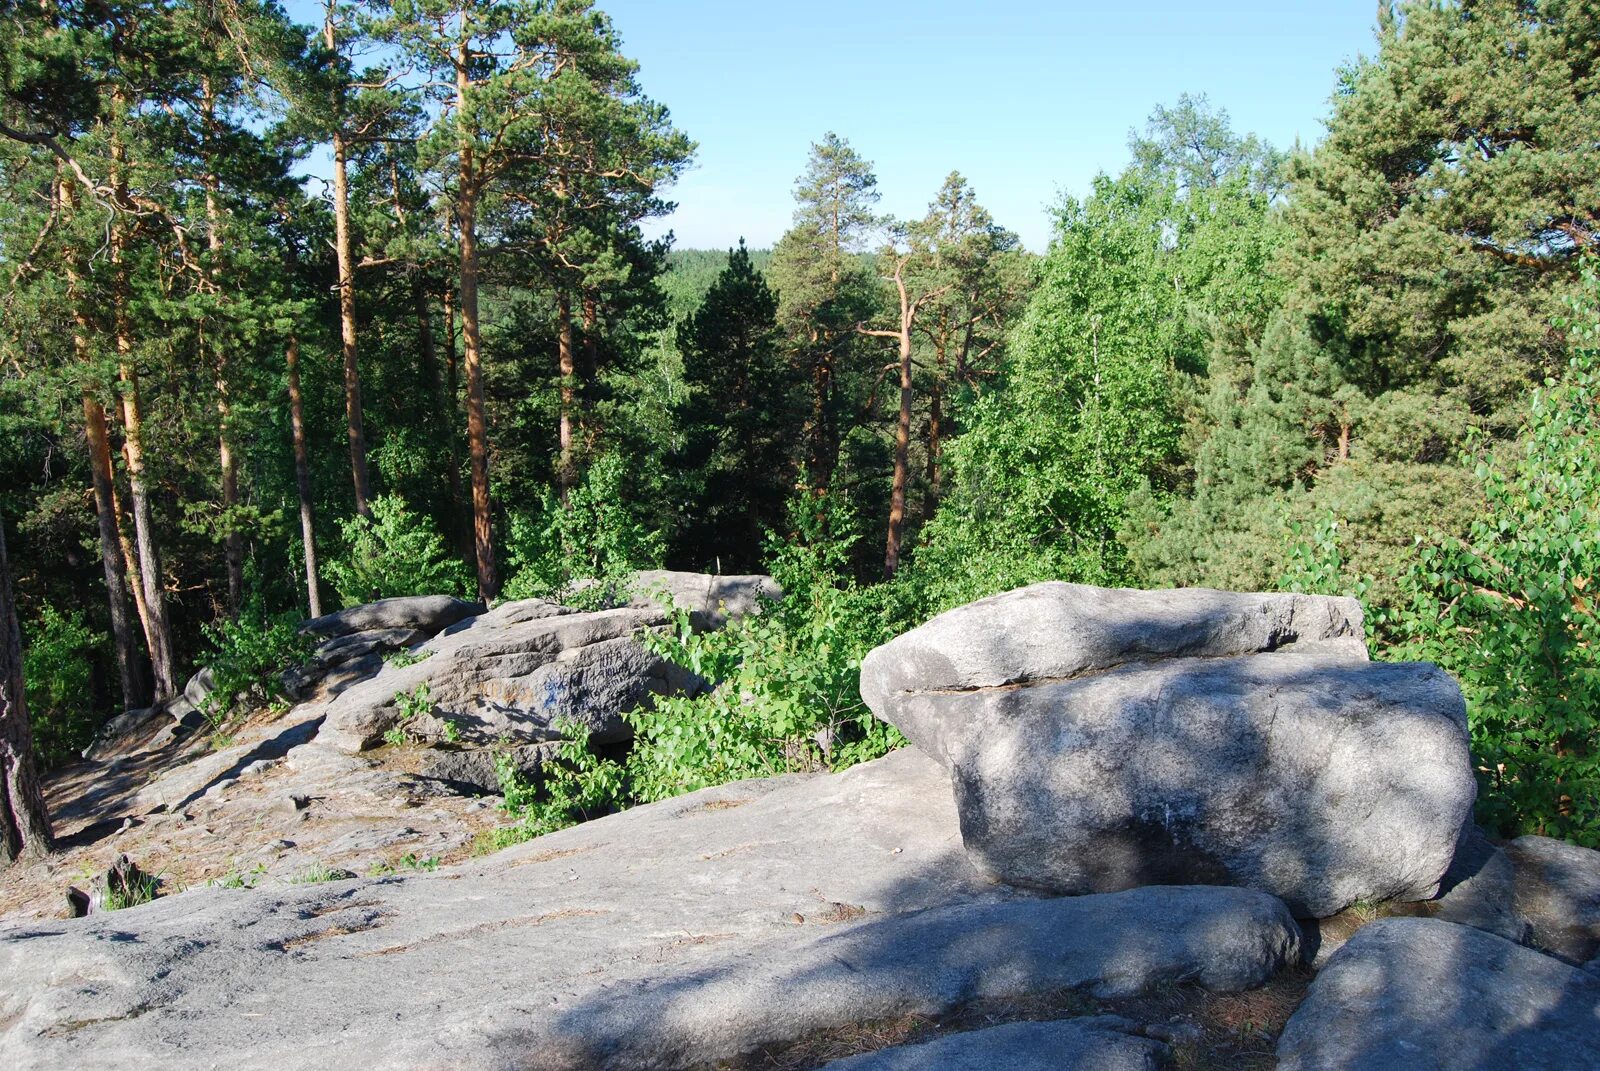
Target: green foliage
point(317, 874)
point(1510, 610)
point(246, 655)
point(396, 552)
point(57, 665)
point(414, 705)
point(595, 536)
point(121, 895)
point(784, 696)
point(577, 786)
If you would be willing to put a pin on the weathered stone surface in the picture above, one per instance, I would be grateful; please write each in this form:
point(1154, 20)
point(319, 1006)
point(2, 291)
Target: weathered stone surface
point(1558, 895)
point(427, 614)
point(1095, 1043)
point(344, 659)
point(473, 769)
point(668, 936)
point(1425, 995)
point(1479, 889)
point(710, 600)
point(1085, 758)
point(516, 672)
point(1056, 631)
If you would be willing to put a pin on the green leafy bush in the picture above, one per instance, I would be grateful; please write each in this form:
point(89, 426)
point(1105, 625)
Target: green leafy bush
point(57, 667)
point(246, 655)
point(1511, 611)
point(397, 552)
point(594, 536)
point(786, 697)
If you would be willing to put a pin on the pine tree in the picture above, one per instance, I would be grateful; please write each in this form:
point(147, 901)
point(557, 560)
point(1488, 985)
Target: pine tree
point(743, 418)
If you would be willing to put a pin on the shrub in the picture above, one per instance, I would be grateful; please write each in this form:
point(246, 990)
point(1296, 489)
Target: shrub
point(57, 667)
point(594, 536)
point(246, 655)
point(396, 552)
point(1511, 611)
point(786, 697)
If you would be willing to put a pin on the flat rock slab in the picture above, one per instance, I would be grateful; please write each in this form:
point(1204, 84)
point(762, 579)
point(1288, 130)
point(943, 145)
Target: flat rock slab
point(427, 614)
point(1090, 1044)
point(1558, 894)
point(668, 936)
point(1104, 739)
point(1425, 995)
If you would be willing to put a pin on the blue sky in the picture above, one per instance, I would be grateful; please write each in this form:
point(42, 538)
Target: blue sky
point(1027, 99)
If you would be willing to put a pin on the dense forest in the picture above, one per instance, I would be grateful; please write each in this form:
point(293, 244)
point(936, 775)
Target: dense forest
point(232, 396)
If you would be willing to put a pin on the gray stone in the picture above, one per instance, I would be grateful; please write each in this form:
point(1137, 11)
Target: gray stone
point(112, 733)
point(1558, 895)
point(668, 936)
point(711, 600)
point(516, 673)
point(1092, 1044)
point(344, 659)
point(1479, 889)
point(1102, 740)
point(427, 614)
point(1424, 995)
point(474, 769)
point(1056, 631)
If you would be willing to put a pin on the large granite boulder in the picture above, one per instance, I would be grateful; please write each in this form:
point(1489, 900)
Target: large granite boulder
point(712, 600)
point(1425, 995)
point(675, 935)
point(1105, 739)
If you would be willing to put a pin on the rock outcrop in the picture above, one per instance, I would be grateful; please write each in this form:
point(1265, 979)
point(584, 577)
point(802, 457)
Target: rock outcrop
point(669, 936)
point(1106, 739)
point(1428, 995)
point(515, 674)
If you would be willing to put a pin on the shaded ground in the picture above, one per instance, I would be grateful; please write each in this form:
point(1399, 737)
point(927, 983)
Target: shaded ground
point(1208, 1031)
point(266, 807)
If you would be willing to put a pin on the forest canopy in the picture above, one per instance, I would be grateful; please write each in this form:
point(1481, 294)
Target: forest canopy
point(231, 399)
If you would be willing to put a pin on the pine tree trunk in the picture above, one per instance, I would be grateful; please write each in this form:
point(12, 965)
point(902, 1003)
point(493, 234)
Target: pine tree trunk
point(111, 561)
point(347, 325)
point(302, 475)
point(24, 821)
point(452, 386)
point(477, 418)
point(935, 445)
point(158, 630)
point(565, 476)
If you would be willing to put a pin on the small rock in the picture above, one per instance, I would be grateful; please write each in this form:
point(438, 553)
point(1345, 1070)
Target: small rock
point(1176, 1032)
point(1095, 1042)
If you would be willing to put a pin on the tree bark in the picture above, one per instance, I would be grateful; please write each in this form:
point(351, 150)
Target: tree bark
point(345, 256)
point(158, 629)
point(302, 475)
point(101, 479)
point(452, 395)
point(24, 821)
point(565, 476)
point(111, 560)
point(472, 344)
